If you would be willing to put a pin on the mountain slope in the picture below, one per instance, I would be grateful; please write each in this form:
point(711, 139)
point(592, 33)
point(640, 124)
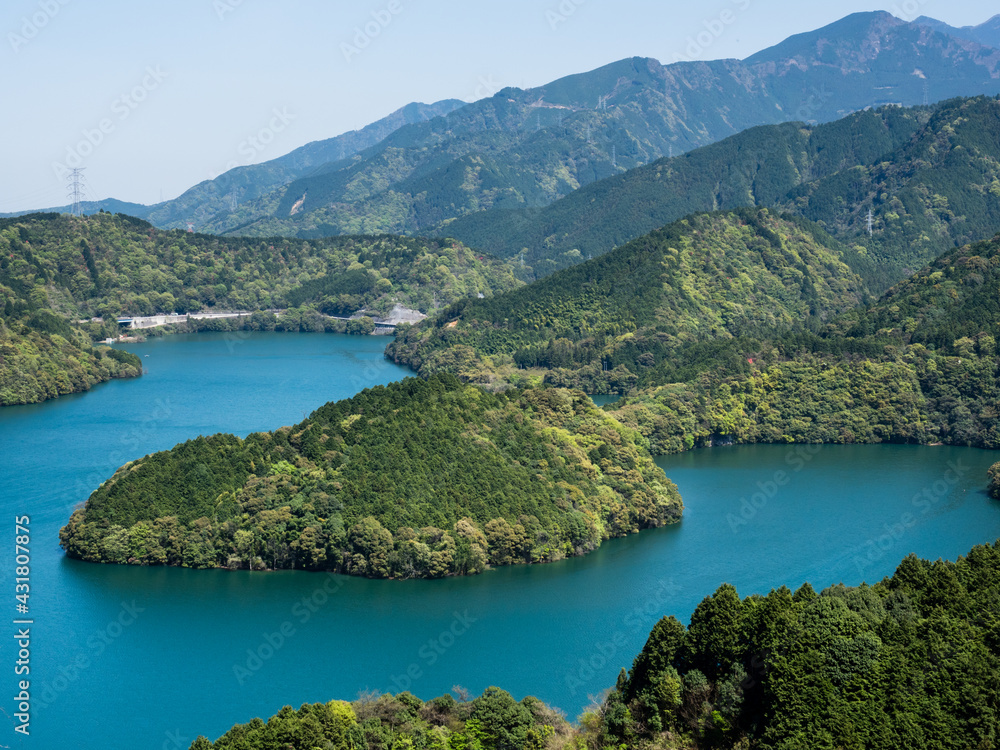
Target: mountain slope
point(939, 191)
point(111, 265)
point(528, 148)
point(927, 174)
point(756, 167)
point(415, 479)
point(607, 323)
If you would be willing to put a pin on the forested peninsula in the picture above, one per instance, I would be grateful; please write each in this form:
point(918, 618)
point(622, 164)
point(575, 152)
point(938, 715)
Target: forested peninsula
point(911, 661)
point(422, 478)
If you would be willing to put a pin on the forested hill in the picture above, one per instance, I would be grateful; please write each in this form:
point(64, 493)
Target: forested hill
point(423, 478)
point(756, 167)
point(56, 269)
point(908, 662)
point(606, 324)
point(921, 365)
point(931, 177)
point(112, 264)
point(43, 357)
point(952, 305)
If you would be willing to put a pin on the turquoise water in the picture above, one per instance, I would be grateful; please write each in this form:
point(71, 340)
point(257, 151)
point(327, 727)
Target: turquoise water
point(149, 658)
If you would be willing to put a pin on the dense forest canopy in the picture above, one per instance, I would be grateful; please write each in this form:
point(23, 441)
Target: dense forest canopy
point(929, 175)
point(607, 323)
point(112, 264)
point(919, 365)
point(706, 356)
point(416, 479)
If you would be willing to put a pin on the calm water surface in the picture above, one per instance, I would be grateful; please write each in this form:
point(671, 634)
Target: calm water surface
point(126, 658)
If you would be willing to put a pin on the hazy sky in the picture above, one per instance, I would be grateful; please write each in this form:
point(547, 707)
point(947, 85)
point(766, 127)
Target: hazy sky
point(172, 92)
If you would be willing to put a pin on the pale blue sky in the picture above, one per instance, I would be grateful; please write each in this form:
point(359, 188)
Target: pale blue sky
point(221, 69)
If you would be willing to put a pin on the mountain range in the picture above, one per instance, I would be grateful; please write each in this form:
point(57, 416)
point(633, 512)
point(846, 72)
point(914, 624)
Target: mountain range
point(247, 182)
point(426, 166)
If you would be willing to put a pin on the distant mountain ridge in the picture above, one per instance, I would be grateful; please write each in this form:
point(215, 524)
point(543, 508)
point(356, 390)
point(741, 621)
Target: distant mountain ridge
point(987, 33)
point(199, 203)
point(525, 149)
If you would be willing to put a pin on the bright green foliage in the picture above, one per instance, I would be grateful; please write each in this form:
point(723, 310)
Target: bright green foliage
point(912, 661)
point(605, 325)
point(920, 365)
point(105, 264)
point(951, 306)
point(54, 269)
point(36, 365)
point(810, 400)
point(416, 479)
point(493, 721)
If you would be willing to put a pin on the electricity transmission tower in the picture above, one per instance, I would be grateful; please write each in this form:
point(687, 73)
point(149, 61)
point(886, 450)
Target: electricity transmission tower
point(76, 188)
point(871, 223)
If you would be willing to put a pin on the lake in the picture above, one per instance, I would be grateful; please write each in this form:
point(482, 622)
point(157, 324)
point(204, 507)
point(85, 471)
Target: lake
point(125, 658)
